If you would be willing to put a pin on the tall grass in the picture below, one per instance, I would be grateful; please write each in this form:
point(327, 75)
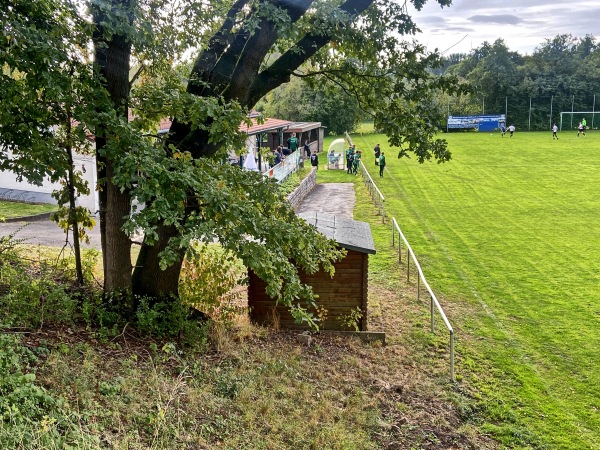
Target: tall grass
point(508, 229)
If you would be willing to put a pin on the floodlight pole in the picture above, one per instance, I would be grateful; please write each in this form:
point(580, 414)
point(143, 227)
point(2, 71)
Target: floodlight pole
point(551, 100)
point(506, 108)
point(593, 111)
point(572, 110)
point(529, 126)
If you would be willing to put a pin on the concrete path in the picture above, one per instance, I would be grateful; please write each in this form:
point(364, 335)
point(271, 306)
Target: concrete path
point(330, 198)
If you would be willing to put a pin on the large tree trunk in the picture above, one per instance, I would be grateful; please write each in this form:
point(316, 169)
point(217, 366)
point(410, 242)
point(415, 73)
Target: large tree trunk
point(230, 67)
point(112, 59)
point(148, 279)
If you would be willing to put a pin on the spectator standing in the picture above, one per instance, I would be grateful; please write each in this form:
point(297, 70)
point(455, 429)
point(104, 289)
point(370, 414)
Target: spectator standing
point(348, 162)
point(307, 149)
point(314, 159)
point(377, 151)
point(381, 164)
point(356, 162)
point(293, 143)
point(554, 131)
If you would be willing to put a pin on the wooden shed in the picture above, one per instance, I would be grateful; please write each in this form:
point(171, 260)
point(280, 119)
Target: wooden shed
point(342, 296)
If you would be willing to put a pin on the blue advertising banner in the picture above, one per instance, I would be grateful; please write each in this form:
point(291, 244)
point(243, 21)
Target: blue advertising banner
point(483, 122)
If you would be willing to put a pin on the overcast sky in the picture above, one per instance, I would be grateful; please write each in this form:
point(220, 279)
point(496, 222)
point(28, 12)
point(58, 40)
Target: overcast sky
point(523, 24)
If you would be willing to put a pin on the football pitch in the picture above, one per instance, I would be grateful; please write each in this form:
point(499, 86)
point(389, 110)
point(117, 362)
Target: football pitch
point(508, 230)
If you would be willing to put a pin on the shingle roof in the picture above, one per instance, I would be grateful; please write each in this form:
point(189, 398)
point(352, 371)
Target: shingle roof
point(268, 125)
point(348, 233)
point(301, 127)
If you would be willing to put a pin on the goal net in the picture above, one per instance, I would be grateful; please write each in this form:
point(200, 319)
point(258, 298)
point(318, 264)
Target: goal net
point(569, 120)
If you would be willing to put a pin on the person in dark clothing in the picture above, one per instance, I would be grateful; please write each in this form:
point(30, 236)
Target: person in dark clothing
point(314, 160)
point(307, 149)
point(377, 151)
point(381, 164)
point(348, 159)
point(277, 154)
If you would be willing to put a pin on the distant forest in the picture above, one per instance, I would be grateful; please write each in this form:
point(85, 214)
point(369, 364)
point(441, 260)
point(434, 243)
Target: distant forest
point(562, 74)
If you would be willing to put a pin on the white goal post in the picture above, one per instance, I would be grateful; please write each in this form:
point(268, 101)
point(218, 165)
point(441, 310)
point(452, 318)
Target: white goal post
point(572, 125)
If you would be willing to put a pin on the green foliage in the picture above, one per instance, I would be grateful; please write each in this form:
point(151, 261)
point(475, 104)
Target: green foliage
point(210, 273)
point(237, 208)
point(20, 398)
point(79, 216)
point(317, 101)
point(40, 290)
point(352, 320)
point(170, 319)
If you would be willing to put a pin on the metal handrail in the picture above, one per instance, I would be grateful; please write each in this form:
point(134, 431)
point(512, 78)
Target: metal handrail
point(434, 300)
point(285, 168)
point(376, 194)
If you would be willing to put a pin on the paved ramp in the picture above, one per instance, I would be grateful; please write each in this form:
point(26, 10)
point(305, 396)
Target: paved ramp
point(330, 198)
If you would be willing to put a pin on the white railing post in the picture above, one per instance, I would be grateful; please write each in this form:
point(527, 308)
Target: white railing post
point(434, 304)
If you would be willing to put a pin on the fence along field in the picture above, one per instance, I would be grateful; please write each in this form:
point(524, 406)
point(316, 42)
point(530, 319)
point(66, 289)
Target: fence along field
point(510, 228)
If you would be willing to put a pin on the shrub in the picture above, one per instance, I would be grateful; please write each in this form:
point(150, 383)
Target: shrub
point(208, 277)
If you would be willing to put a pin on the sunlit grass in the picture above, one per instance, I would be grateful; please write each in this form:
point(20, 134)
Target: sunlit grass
point(9, 210)
point(507, 231)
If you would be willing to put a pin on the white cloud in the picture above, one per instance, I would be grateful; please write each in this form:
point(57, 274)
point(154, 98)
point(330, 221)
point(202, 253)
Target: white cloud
point(523, 24)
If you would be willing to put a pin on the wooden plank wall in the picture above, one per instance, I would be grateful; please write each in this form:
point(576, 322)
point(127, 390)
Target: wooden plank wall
point(339, 295)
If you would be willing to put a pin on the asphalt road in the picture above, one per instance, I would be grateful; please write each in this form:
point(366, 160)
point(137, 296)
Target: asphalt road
point(46, 232)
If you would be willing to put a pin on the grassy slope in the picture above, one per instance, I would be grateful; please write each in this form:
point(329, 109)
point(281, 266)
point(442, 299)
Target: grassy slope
point(508, 229)
point(9, 210)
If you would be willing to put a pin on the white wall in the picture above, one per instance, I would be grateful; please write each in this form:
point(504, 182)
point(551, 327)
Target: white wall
point(24, 191)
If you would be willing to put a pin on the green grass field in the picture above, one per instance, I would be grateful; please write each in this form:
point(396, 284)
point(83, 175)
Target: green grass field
point(507, 234)
point(9, 210)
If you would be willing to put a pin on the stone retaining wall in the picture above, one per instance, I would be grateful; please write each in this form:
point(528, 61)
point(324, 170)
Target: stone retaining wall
point(307, 185)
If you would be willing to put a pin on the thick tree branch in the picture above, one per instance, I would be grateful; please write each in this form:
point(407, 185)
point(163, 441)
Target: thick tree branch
point(217, 45)
point(310, 44)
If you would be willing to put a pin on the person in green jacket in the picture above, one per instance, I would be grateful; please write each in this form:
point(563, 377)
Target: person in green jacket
point(356, 162)
point(293, 143)
point(381, 164)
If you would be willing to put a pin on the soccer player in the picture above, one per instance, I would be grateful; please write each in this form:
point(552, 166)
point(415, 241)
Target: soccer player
point(581, 129)
point(511, 130)
point(554, 130)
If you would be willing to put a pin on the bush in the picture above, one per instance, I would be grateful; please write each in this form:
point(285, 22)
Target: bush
point(208, 277)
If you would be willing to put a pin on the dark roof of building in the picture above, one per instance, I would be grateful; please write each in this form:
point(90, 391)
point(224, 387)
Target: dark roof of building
point(268, 125)
point(301, 127)
point(348, 233)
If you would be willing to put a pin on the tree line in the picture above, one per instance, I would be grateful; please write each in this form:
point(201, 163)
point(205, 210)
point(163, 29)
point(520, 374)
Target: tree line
point(562, 74)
